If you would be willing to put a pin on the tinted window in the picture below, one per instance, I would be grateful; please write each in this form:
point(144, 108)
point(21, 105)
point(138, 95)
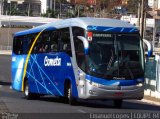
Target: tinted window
point(65, 43)
point(47, 42)
point(22, 44)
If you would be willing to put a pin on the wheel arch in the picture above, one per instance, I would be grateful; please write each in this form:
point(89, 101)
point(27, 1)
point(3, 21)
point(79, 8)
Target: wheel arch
point(67, 82)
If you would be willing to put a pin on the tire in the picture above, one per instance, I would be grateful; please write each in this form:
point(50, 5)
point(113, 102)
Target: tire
point(118, 103)
point(71, 99)
point(28, 94)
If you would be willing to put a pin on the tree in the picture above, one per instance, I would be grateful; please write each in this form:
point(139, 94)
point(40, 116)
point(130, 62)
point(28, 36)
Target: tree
point(50, 13)
point(133, 6)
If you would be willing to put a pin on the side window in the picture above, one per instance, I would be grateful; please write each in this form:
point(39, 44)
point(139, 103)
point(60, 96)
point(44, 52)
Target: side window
point(22, 44)
point(54, 41)
point(45, 42)
point(77, 31)
point(42, 44)
point(30, 38)
point(18, 45)
point(79, 47)
point(65, 43)
point(80, 55)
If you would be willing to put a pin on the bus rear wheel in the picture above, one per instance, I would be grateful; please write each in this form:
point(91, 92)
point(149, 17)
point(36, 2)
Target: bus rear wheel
point(118, 103)
point(28, 94)
point(71, 99)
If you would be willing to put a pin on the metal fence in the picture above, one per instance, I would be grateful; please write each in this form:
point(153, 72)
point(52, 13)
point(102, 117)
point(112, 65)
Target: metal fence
point(152, 73)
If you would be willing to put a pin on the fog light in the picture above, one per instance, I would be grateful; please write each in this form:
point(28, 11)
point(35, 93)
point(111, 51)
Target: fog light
point(139, 84)
point(92, 92)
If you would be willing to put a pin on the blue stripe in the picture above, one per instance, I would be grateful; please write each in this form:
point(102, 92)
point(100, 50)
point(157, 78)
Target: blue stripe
point(48, 78)
point(40, 83)
point(113, 82)
point(122, 29)
point(113, 29)
point(110, 29)
point(31, 70)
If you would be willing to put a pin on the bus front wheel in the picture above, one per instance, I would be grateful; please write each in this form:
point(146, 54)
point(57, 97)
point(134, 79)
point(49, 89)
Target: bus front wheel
point(118, 103)
point(71, 99)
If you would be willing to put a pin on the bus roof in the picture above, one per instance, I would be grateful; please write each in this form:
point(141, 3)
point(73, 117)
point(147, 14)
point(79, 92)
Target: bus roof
point(82, 22)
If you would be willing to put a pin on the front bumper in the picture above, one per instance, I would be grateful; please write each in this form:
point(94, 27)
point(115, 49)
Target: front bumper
point(113, 92)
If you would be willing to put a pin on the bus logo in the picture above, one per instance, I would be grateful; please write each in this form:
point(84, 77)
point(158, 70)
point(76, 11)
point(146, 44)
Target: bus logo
point(52, 61)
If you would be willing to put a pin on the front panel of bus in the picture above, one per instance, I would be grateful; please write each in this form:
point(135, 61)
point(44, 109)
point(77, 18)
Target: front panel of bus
point(112, 66)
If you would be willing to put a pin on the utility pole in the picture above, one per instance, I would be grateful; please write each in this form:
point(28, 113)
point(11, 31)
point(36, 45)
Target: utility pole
point(142, 19)
point(54, 6)
point(139, 13)
point(29, 7)
point(1, 11)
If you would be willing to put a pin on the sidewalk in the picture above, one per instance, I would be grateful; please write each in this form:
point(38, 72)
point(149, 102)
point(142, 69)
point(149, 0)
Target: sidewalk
point(151, 100)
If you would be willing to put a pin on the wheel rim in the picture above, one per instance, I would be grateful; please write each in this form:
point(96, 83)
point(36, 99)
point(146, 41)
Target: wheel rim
point(69, 93)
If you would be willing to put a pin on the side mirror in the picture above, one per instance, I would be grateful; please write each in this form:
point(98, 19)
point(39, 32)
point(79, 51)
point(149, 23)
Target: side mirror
point(149, 47)
point(85, 43)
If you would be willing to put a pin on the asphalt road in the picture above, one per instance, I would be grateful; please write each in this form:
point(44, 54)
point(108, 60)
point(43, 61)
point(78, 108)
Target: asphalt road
point(14, 102)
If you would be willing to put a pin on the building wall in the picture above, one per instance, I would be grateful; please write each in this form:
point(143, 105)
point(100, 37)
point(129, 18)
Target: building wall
point(43, 6)
point(155, 4)
point(6, 36)
point(151, 3)
point(46, 4)
point(21, 7)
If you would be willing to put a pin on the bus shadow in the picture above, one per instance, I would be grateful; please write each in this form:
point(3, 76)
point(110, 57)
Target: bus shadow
point(126, 105)
point(5, 83)
point(130, 105)
point(54, 99)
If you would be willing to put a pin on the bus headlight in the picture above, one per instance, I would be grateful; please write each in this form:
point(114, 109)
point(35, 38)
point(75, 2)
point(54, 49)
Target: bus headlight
point(81, 82)
point(94, 84)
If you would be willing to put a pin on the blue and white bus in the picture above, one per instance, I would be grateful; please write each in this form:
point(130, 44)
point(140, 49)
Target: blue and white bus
point(80, 58)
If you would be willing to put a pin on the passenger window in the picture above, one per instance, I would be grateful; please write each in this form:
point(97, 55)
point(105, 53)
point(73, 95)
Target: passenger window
point(18, 45)
point(22, 44)
point(46, 42)
point(54, 41)
point(65, 43)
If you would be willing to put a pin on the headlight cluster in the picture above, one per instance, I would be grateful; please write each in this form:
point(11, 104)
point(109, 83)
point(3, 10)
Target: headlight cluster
point(139, 84)
point(95, 84)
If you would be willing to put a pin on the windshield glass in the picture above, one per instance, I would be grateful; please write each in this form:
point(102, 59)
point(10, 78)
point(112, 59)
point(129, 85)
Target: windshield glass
point(115, 56)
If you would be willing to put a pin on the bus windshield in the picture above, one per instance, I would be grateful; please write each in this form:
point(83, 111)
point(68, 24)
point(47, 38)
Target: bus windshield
point(115, 56)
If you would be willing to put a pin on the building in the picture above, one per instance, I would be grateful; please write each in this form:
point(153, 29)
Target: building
point(20, 7)
point(155, 6)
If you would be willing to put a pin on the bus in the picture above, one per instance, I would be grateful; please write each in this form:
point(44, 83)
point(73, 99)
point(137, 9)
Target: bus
point(80, 58)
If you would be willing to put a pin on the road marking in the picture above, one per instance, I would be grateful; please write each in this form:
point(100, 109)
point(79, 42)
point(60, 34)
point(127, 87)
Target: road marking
point(81, 111)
